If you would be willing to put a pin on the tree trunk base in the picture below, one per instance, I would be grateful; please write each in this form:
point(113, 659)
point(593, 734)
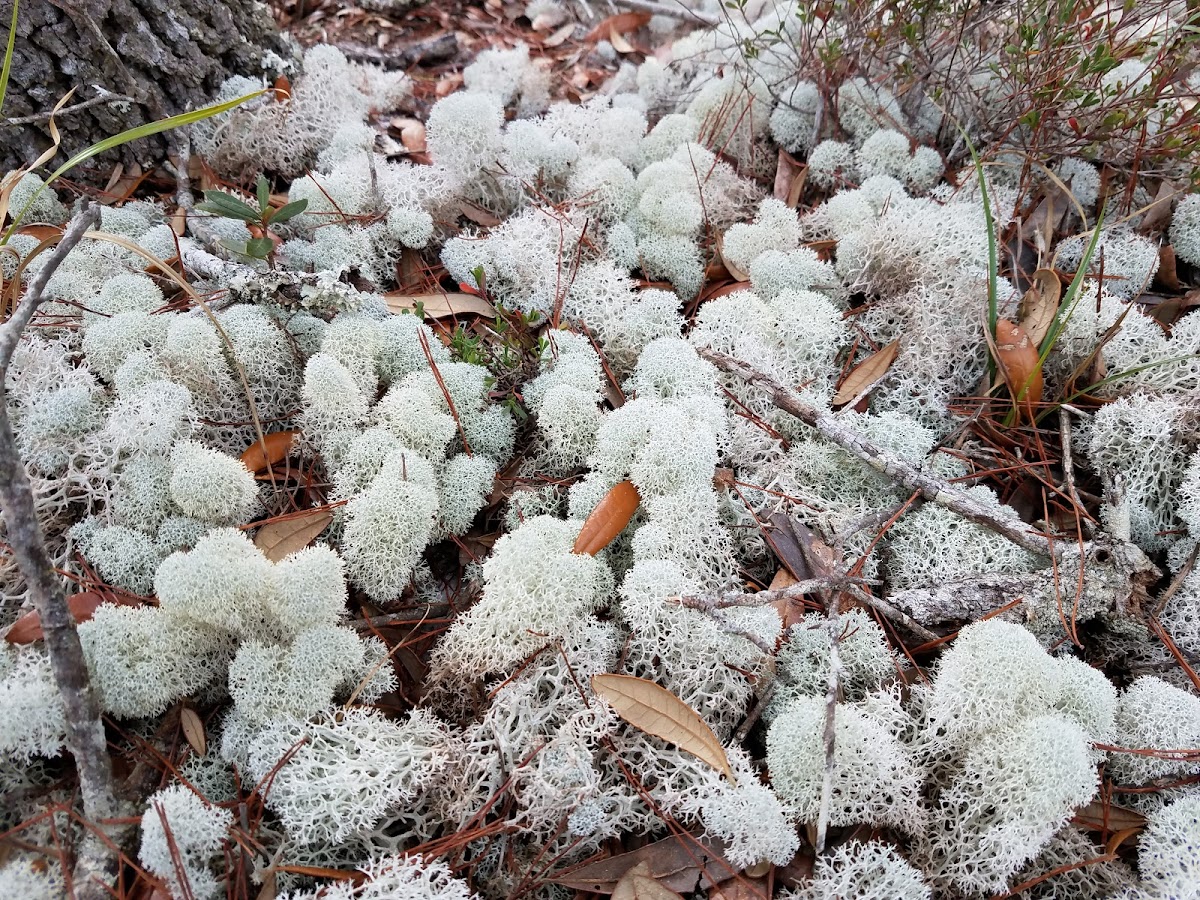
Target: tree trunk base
point(168, 55)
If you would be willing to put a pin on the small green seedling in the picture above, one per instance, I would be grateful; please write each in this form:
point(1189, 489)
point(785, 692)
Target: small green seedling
point(259, 222)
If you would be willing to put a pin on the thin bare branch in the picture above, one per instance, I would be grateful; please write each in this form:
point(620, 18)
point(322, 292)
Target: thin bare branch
point(95, 862)
point(935, 490)
point(669, 10)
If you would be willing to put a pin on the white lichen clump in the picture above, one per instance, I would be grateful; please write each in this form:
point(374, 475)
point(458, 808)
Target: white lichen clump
point(438, 476)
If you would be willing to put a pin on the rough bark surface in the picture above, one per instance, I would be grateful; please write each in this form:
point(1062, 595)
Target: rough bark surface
point(169, 55)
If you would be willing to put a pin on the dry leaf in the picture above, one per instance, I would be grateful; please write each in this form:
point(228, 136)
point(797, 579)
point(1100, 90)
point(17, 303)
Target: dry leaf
point(1101, 816)
point(681, 862)
point(867, 374)
point(179, 221)
point(28, 628)
point(743, 887)
point(560, 35)
point(619, 41)
point(1157, 213)
point(41, 232)
point(274, 448)
point(1040, 305)
point(193, 730)
point(1017, 356)
point(285, 536)
point(608, 519)
point(621, 23)
point(736, 273)
point(1168, 273)
point(282, 89)
point(656, 711)
point(790, 610)
point(439, 306)
point(639, 884)
point(790, 176)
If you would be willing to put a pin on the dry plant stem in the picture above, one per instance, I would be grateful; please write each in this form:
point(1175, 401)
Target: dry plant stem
point(183, 185)
point(889, 611)
point(1068, 464)
point(933, 489)
point(67, 110)
point(760, 598)
point(832, 688)
point(94, 862)
point(667, 9)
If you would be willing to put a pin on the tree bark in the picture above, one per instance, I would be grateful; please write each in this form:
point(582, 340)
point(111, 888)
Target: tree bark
point(168, 55)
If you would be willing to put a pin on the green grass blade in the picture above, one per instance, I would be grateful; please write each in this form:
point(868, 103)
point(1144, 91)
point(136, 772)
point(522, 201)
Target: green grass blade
point(1071, 300)
point(8, 54)
point(132, 134)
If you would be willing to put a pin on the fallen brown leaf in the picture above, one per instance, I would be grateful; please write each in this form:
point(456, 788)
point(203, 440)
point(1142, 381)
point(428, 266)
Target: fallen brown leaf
point(622, 23)
point(274, 448)
point(560, 35)
point(41, 232)
point(608, 519)
point(619, 41)
point(284, 537)
point(1168, 273)
point(681, 862)
point(656, 711)
point(639, 884)
point(867, 374)
point(734, 271)
point(1101, 816)
point(1040, 305)
point(193, 730)
point(439, 306)
point(28, 628)
point(1017, 357)
point(790, 176)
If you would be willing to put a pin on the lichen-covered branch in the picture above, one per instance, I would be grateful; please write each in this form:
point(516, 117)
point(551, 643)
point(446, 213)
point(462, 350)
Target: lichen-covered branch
point(85, 729)
point(935, 490)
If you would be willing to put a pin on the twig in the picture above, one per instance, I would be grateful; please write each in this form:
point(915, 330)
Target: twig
point(66, 110)
point(672, 12)
point(404, 617)
point(183, 153)
point(95, 863)
point(889, 611)
point(1068, 464)
point(934, 489)
point(761, 598)
point(1176, 583)
point(832, 689)
point(766, 647)
point(765, 695)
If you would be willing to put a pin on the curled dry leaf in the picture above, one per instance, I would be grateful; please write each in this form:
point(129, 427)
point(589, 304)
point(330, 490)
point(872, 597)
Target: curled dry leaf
point(656, 711)
point(563, 32)
point(28, 628)
point(608, 519)
point(736, 273)
point(620, 23)
point(1017, 356)
point(274, 448)
point(1101, 816)
point(1168, 272)
point(682, 862)
point(1040, 305)
point(619, 42)
point(283, 537)
point(867, 374)
point(639, 884)
point(193, 730)
point(439, 306)
point(790, 176)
